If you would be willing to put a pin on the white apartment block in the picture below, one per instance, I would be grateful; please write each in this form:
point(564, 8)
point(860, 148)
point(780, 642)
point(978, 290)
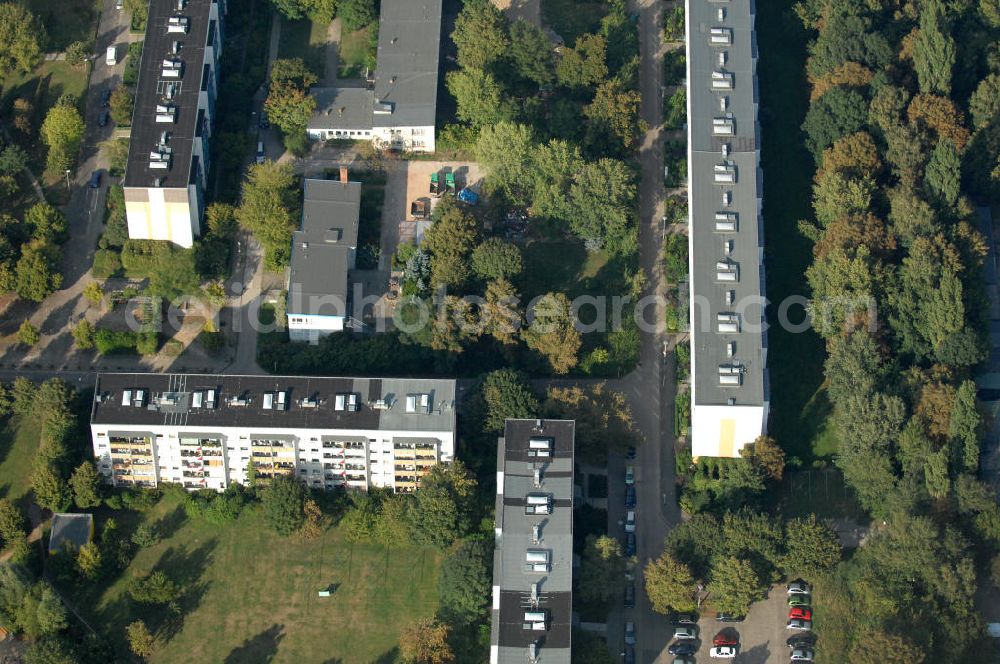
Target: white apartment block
point(202, 431)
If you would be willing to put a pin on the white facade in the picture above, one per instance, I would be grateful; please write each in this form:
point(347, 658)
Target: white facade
point(163, 214)
point(312, 328)
point(722, 431)
point(413, 139)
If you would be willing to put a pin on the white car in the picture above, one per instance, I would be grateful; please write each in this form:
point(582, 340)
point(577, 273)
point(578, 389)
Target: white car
point(802, 655)
point(630, 521)
point(799, 624)
point(799, 588)
point(629, 475)
point(685, 632)
point(722, 652)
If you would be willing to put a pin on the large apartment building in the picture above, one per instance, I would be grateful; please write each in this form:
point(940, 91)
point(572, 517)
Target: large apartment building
point(202, 431)
point(175, 97)
point(532, 615)
point(729, 407)
point(397, 106)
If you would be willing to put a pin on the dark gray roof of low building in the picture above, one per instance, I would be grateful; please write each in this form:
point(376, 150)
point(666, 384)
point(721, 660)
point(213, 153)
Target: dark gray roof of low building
point(145, 132)
point(342, 108)
point(331, 210)
point(73, 528)
point(158, 411)
point(406, 73)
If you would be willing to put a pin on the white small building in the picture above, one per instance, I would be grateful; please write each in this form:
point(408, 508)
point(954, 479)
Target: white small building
point(324, 251)
point(396, 108)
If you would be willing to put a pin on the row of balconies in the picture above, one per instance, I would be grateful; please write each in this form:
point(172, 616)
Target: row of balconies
point(132, 451)
point(204, 442)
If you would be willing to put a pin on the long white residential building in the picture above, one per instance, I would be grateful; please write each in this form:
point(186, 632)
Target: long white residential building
point(202, 431)
point(729, 408)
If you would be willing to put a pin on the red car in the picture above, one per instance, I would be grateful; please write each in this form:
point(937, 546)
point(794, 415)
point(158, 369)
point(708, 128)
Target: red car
point(801, 613)
point(723, 639)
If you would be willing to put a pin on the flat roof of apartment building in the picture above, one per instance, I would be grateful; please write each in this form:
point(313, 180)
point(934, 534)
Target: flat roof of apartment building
point(533, 562)
point(727, 236)
point(266, 402)
point(170, 80)
point(406, 74)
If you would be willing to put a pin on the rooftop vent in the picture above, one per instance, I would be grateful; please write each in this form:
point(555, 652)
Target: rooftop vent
point(347, 401)
point(724, 173)
point(178, 24)
point(380, 404)
point(729, 323)
point(720, 37)
point(164, 137)
point(157, 182)
point(418, 403)
point(268, 401)
point(210, 399)
point(726, 222)
point(197, 399)
point(722, 80)
point(539, 447)
point(723, 126)
point(171, 68)
point(725, 149)
point(537, 476)
point(139, 398)
point(727, 247)
point(538, 503)
point(309, 402)
point(382, 108)
point(730, 349)
point(533, 649)
point(160, 158)
point(536, 537)
point(281, 400)
point(727, 198)
point(127, 398)
point(237, 402)
point(536, 560)
point(730, 375)
point(721, 14)
point(722, 58)
point(535, 620)
point(180, 5)
point(166, 113)
point(730, 298)
point(175, 47)
point(727, 271)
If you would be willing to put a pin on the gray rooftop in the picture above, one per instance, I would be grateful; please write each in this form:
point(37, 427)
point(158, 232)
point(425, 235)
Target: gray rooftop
point(76, 529)
point(515, 481)
point(322, 251)
point(710, 347)
point(406, 74)
point(151, 88)
point(169, 400)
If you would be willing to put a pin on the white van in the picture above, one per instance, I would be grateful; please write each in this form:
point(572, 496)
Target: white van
point(260, 152)
point(111, 58)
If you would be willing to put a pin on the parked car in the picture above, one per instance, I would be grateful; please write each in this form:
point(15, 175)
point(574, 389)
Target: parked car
point(111, 56)
point(802, 655)
point(630, 595)
point(684, 618)
point(801, 641)
point(104, 117)
point(728, 617)
point(119, 4)
point(630, 452)
point(630, 521)
point(726, 639)
point(800, 612)
point(106, 96)
point(629, 655)
point(260, 152)
point(95, 180)
point(683, 648)
point(630, 544)
point(629, 475)
point(630, 496)
point(799, 588)
point(264, 124)
point(683, 660)
point(722, 652)
point(797, 623)
point(799, 600)
point(630, 633)
point(685, 632)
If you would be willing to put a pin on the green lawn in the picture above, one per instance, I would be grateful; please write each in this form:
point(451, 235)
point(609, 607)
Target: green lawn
point(19, 440)
point(796, 361)
point(66, 21)
point(355, 53)
point(304, 39)
point(251, 596)
point(820, 492)
point(572, 18)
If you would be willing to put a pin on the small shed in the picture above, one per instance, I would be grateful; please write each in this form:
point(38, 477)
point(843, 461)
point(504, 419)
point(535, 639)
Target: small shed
point(77, 529)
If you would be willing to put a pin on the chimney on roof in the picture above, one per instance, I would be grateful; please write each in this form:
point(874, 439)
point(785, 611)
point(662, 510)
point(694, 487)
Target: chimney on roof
point(343, 174)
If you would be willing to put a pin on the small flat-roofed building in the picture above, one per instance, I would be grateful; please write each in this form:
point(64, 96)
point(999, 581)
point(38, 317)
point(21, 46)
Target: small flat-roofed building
point(168, 159)
point(73, 530)
point(203, 431)
point(398, 106)
point(532, 611)
point(324, 251)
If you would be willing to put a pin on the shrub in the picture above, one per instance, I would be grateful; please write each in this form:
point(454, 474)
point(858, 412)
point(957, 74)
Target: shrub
point(109, 342)
point(107, 263)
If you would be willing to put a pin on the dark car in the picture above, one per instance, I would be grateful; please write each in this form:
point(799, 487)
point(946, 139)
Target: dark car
point(630, 496)
point(630, 633)
point(728, 617)
point(95, 180)
point(630, 452)
point(630, 594)
point(629, 655)
point(801, 641)
point(106, 96)
point(103, 120)
point(683, 648)
point(630, 544)
point(684, 618)
point(264, 124)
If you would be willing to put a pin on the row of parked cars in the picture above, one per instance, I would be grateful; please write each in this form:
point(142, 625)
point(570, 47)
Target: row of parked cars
point(800, 620)
point(630, 549)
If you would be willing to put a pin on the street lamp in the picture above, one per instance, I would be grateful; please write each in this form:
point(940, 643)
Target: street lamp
point(67, 179)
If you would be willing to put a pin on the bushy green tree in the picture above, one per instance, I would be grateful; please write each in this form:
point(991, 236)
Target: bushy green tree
point(121, 104)
point(669, 585)
point(86, 484)
point(496, 259)
point(62, 133)
point(28, 334)
point(839, 112)
point(444, 504)
point(22, 37)
point(464, 584)
point(269, 208)
point(356, 14)
point(507, 394)
point(585, 64)
point(480, 35)
point(532, 53)
point(734, 586)
point(37, 274)
point(933, 50)
point(552, 332)
point(944, 174)
point(479, 97)
point(282, 501)
point(602, 569)
point(811, 548)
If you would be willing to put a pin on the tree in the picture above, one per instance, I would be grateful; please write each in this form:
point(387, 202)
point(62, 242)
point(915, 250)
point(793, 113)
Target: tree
point(507, 394)
point(314, 522)
point(11, 523)
point(479, 98)
point(669, 585)
point(603, 419)
point(496, 259)
point(855, 154)
point(602, 568)
point(426, 642)
point(154, 588)
point(77, 52)
point(269, 209)
point(480, 35)
point(733, 586)
point(24, 393)
point(51, 649)
point(93, 292)
point(40, 612)
point(138, 10)
point(21, 38)
point(933, 50)
point(88, 561)
point(220, 219)
point(282, 503)
point(602, 197)
point(812, 547)
point(984, 105)
point(145, 536)
point(46, 223)
point(464, 583)
point(552, 332)
point(86, 483)
point(944, 174)
point(51, 490)
point(290, 109)
point(837, 113)
point(874, 646)
point(62, 133)
point(356, 14)
point(37, 277)
point(115, 150)
point(140, 641)
point(13, 159)
point(505, 150)
point(767, 455)
point(556, 164)
point(614, 113)
point(444, 505)
point(450, 240)
point(28, 334)
point(965, 425)
point(501, 315)
point(174, 275)
point(532, 53)
point(585, 64)
point(940, 115)
point(122, 102)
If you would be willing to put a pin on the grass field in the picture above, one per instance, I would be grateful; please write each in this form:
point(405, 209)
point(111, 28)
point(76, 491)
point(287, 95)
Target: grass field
point(304, 39)
point(798, 415)
point(19, 440)
point(820, 492)
point(572, 18)
point(354, 53)
point(251, 596)
point(66, 21)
